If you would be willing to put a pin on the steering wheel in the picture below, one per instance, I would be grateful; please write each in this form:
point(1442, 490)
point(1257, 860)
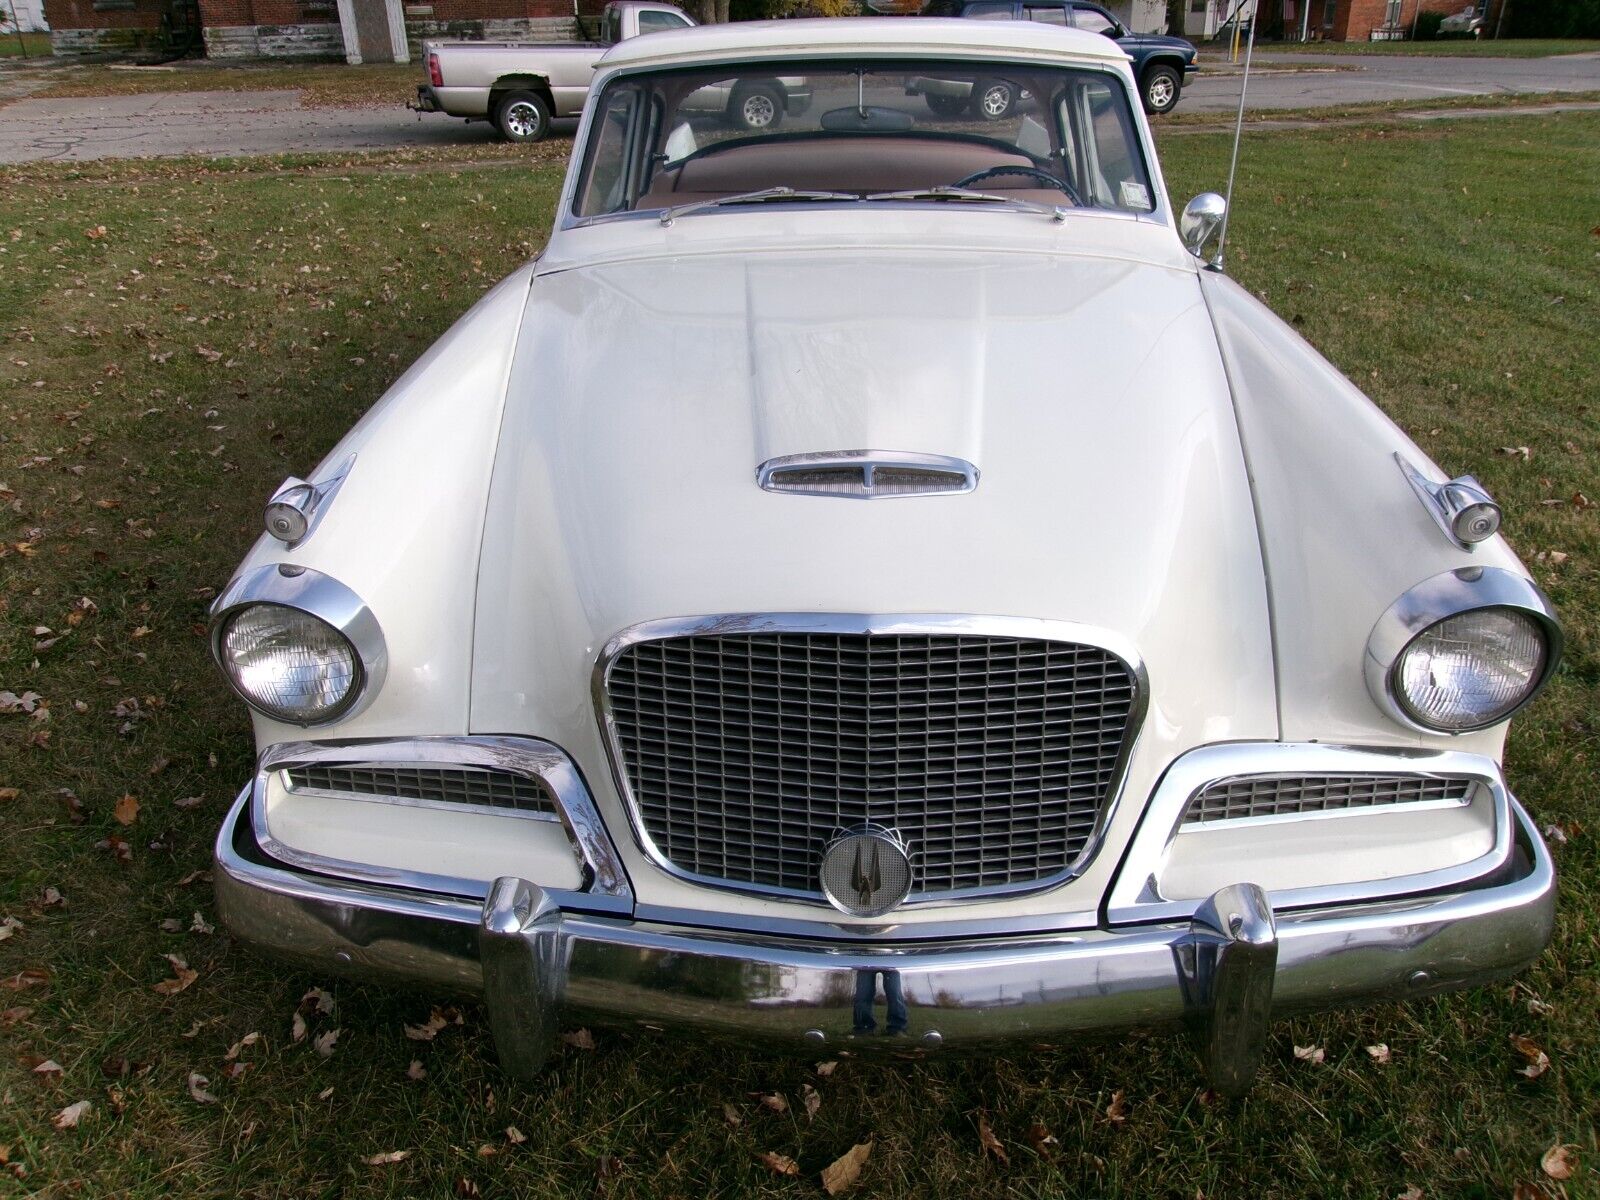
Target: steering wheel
point(1044, 177)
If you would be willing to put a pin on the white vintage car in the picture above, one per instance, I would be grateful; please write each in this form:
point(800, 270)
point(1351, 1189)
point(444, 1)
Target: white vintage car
point(874, 576)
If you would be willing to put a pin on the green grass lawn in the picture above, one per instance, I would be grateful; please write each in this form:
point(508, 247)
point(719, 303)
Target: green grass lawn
point(1448, 47)
point(320, 84)
point(31, 45)
point(181, 336)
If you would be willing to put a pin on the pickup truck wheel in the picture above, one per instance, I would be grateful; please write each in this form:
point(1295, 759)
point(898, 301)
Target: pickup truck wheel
point(523, 117)
point(759, 106)
point(993, 100)
point(1160, 88)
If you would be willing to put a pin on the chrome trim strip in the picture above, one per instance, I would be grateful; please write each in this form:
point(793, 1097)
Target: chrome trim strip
point(322, 596)
point(606, 880)
point(769, 475)
point(1135, 894)
point(1439, 598)
point(868, 623)
point(959, 994)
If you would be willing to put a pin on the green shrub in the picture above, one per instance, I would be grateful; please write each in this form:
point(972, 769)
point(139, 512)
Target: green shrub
point(1553, 18)
point(1428, 26)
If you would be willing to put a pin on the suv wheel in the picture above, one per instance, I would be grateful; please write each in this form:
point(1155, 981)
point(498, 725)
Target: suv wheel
point(757, 107)
point(1160, 88)
point(993, 99)
point(523, 117)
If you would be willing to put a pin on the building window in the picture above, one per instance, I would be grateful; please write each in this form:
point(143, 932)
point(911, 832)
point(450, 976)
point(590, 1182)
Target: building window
point(112, 5)
point(1329, 11)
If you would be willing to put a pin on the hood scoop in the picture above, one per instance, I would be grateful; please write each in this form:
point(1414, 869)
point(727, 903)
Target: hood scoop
point(867, 474)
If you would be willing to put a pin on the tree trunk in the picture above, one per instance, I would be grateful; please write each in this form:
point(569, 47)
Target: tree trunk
point(1175, 17)
point(722, 11)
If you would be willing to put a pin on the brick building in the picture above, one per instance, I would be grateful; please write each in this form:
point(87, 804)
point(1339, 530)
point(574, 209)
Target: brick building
point(356, 30)
point(1356, 20)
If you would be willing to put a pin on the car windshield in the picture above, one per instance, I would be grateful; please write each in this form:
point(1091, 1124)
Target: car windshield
point(877, 132)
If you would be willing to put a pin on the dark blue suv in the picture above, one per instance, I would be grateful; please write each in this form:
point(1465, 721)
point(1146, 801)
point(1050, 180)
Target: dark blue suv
point(1161, 64)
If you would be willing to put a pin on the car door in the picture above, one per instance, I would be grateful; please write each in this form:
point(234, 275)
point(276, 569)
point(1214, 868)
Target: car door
point(1045, 13)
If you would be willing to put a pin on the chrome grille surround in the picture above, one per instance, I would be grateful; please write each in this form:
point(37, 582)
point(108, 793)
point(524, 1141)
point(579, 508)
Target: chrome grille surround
point(1268, 797)
point(435, 786)
point(867, 474)
point(1045, 838)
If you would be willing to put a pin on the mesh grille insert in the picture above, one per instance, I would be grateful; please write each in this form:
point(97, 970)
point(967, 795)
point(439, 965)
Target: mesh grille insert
point(439, 785)
point(1267, 796)
point(746, 753)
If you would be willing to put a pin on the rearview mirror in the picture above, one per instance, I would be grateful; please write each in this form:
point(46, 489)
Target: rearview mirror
point(1201, 221)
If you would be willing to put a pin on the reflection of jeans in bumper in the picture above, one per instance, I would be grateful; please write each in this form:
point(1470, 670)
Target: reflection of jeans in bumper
point(867, 992)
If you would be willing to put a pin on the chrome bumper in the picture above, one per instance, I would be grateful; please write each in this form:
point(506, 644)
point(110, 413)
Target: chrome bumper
point(1230, 970)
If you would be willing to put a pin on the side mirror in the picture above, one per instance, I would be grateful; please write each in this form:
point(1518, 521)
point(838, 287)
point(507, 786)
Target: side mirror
point(1201, 221)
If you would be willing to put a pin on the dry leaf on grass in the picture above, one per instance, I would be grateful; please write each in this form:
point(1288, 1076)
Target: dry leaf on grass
point(824, 1069)
point(841, 1174)
point(810, 1099)
point(182, 977)
point(69, 1116)
point(52, 898)
point(579, 1039)
point(988, 1143)
point(197, 1088)
point(466, 1189)
point(26, 978)
point(126, 809)
point(429, 1029)
point(323, 1042)
point(1379, 1052)
point(515, 1136)
point(120, 849)
point(774, 1102)
point(324, 1093)
point(1538, 1060)
point(730, 1114)
point(1559, 1161)
point(319, 1000)
point(416, 1070)
point(1044, 1142)
point(14, 1016)
point(1117, 1110)
point(249, 1039)
point(9, 926)
point(782, 1164)
point(387, 1158)
point(1310, 1054)
point(1411, 1193)
point(200, 925)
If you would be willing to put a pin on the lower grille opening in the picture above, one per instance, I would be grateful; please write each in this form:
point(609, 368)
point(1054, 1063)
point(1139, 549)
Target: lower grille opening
point(1276, 796)
point(429, 785)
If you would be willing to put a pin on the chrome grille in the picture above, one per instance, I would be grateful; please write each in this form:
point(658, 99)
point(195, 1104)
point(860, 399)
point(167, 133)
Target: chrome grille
point(1269, 796)
point(993, 757)
point(428, 785)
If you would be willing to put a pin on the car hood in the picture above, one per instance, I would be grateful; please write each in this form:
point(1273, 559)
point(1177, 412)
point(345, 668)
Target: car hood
point(1157, 41)
point(1088, 392)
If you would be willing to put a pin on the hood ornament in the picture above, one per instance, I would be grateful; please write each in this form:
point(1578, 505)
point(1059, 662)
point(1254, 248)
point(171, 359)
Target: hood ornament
point(866, 871)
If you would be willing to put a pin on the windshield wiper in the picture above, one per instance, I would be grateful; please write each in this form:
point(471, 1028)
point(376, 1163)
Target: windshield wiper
point(764, 196)
point(960, 195)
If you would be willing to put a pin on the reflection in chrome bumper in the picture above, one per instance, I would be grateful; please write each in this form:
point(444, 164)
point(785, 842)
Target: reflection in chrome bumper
point(1231, 968)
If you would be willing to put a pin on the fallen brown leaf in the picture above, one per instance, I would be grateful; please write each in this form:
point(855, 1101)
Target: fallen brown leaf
point(249, 1039)
point(14, 1016)
point(126, 809)
point(1310, 1054)
point(824, 1069)
point(182, 977)
point(781, 1164)
point(1411, 1193)
point(1379, 1053)
point(429, 1029)
point(775, 1102)
point(197, 1088)
point(810, 1100)
point(988, 1143)
point(416, 1070)
point(1117, 1110)
point(320, 1001)
point(466, 1189)
point(52, 898)
point(1558, 1161)
point(388, 1158)
point(1044, 1142)
point(579, 1039)
point(323, 1042)
point(69, 1116)
point(841, 1174)
point(515, 1136)
point(1538, 1060)
point(26, 978)
point(730, 1114)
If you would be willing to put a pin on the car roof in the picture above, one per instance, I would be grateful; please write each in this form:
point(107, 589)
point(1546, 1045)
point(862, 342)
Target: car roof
point(900, 37)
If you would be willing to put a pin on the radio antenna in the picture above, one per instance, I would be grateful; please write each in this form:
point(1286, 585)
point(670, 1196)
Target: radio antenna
point(1238, 130)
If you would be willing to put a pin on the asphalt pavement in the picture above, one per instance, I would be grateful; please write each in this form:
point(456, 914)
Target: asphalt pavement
point(240, 123)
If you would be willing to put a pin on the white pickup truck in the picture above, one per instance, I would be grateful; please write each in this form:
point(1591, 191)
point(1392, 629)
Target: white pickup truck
point(521, 87)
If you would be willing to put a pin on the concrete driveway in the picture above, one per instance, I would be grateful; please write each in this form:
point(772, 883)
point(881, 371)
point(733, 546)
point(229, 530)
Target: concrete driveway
point(242, 123)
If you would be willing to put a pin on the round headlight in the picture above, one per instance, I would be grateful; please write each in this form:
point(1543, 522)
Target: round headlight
point(1471, 670)
point(289, 664)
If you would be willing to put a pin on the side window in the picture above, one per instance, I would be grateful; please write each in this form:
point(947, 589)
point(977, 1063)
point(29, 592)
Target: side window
point(991, 11)
point(1094, 21)
point(1116, 174)
point(605, 184)
point(1047, 14)
point(611, 27)
point(651, 21)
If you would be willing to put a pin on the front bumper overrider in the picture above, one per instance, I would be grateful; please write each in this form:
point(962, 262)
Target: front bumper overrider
point(1229, 970)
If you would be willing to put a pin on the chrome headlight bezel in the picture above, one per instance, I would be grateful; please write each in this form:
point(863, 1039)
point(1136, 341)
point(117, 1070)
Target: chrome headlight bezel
point(1447, 595)
point(320, 596)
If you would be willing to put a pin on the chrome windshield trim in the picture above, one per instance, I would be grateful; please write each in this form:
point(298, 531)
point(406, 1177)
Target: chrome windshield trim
point(323, 597)
point(606, 885)
point(869, 623)
point(1135, 895)
point(1437, 599)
